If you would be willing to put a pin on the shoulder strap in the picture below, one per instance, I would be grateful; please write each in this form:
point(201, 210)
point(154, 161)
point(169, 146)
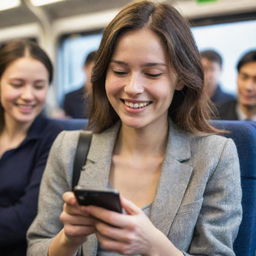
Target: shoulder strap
point(82, 149)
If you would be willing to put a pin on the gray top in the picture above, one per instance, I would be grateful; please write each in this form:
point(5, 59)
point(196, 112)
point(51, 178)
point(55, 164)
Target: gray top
point(198, 200)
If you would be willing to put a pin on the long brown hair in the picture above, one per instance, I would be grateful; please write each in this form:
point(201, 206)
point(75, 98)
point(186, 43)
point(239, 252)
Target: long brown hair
point(16, 49)
point(190, 108)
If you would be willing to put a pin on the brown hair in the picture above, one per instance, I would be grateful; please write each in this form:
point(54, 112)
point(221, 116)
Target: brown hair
point(16, 49)
point(190, 108)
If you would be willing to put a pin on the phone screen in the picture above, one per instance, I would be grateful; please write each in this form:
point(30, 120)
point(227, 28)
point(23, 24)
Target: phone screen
point(108, 199)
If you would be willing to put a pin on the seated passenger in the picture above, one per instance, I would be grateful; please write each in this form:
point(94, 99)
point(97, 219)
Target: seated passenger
point(76, 103)
point(25, 139)
point(244, 107)
point(212, 66)
point(179, 183)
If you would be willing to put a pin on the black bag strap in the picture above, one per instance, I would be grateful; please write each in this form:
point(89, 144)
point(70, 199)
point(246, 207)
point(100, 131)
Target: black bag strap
point(82, 149)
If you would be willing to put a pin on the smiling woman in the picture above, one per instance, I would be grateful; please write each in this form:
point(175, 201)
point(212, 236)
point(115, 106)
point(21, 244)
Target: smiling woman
point(152, 142)
point(25, 138)
point(140, 83)
point(24, 88)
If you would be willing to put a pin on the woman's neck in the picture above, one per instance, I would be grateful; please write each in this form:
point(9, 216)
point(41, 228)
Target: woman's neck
point(14, 130)
point(12, 136)
point(146, 141)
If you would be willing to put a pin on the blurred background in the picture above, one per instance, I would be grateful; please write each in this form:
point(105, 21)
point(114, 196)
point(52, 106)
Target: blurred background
point(69, 29)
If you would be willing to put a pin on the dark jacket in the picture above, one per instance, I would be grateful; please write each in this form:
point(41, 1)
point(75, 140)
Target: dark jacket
point(75, 104)
point(220, 96)
point(21, 170)
point(227, 110)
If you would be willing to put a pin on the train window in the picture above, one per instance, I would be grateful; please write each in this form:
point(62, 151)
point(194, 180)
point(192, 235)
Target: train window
point(231, 40)
point(72, 51)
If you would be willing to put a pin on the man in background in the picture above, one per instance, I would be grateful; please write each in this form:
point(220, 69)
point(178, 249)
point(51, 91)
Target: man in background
point(76, 103)
point(212, 67)
point(244, 107)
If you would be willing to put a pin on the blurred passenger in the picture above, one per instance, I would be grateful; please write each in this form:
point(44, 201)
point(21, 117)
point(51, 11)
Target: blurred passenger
point(76, 103)
point(212, 66)
point(244, 107)
point(25, 139)
point(179, 183)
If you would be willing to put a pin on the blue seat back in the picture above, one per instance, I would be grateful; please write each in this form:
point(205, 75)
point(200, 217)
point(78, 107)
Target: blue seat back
point(244, 135)
point(71, 124)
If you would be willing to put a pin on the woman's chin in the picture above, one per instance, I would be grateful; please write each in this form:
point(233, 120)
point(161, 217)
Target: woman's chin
point(135, 124)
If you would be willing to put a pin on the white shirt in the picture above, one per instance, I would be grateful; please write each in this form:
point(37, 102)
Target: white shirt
point(242, 116)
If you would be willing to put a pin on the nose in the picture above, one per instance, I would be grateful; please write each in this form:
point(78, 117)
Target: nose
point(249, 85)
point(134, 85)
point(27, 93)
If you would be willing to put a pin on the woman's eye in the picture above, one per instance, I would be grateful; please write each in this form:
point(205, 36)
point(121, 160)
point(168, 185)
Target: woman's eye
point(16, 85)
point(119, 73)
point(39, 87)
point(154, 75)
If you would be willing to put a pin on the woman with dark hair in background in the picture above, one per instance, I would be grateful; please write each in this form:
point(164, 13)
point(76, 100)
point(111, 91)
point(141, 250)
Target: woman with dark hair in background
point(179, 183)
point(25, 139)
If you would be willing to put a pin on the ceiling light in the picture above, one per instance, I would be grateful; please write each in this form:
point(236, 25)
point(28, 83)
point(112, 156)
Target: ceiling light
point(4, 5)
point(44, 2)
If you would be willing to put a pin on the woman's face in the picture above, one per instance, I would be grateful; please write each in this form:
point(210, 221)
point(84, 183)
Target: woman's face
point(23, 90)
point(140, 82)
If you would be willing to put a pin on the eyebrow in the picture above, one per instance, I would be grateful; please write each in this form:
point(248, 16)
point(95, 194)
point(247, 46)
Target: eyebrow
point(150, 64)
point(21, 79)
point(247, 74)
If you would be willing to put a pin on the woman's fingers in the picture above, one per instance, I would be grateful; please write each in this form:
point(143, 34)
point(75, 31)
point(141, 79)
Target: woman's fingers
point(107, 216)
point(76, 219)
point(129, 207)
point(123, 233)
point(69, 198)
point(114, 233)
point(114, 218)
point(78, 230)
point(111, 245)
point(71, 205)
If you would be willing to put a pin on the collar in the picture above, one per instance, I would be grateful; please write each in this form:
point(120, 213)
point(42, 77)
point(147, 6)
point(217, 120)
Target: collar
point(178, 144)
point(242, 116)
point(37, 127)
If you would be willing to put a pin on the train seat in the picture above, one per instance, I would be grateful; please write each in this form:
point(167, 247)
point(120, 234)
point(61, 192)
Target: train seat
point(72, 124)
point(244, 135)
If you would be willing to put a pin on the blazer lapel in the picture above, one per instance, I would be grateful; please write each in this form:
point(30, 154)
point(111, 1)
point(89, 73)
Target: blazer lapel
point(95, 173)
point(174, 180)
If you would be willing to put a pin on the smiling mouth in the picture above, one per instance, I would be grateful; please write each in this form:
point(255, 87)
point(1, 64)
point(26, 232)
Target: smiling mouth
point(249, 97)
point(136, 105)
point(24, 106)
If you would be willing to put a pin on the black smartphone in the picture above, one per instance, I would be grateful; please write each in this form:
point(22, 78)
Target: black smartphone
point(108, 198)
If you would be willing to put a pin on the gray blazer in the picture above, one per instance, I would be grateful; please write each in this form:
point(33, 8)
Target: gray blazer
point(198, 200)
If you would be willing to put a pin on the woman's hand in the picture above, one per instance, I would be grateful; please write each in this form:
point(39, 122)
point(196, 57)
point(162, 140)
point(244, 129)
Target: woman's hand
point(77, 223)
point(131, 233)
